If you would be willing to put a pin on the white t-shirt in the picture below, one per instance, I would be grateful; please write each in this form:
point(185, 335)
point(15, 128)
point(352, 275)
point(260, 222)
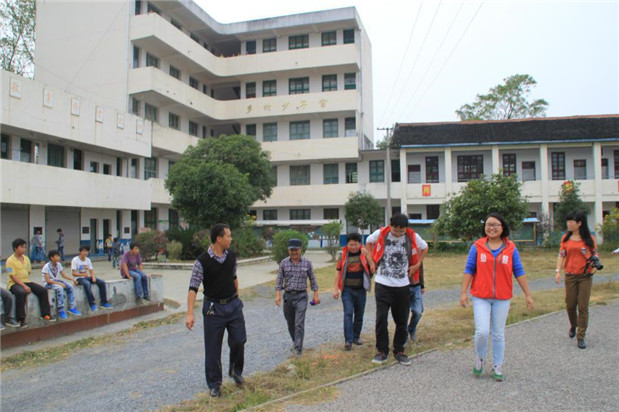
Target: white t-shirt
point(393, 267)
point(81, 266)
point(52, 271)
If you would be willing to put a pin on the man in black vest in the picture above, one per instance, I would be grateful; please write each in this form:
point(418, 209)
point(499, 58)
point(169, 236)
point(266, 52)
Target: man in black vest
point(222, 310)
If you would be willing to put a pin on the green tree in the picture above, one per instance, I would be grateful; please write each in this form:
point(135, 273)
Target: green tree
point(17, 19)
point(505, 101)
point(462, 214)
point(569, 202)
point(279, 250)
point(218, 179)
point(610, 229)
point(332, 232)
point(363, 210)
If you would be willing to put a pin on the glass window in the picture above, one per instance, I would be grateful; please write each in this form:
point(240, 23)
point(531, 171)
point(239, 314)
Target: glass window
point(119, 166)
point(604, 168)
point(329, 128)
point(558, 166)
point(173, 220)
point(25, 150)
point(250, 46)
point(274, 175)
point(350, 81)
point(250, 90)
point(193, 128)
point(616, 159)
point(269, 214)
point(509, 164)
point(330, 173)
point(470, 167)
point(176, 24)
point(298, 42)
point(107, 169)
point(298, 85)
point(173, 121)
point(300, 130)
point(193, 82)
point(151, 113)
point(299, 175)
point(300, 214)
point(432, 169)
point(204, 132)
point(150, 168)
point(150, 218)
point(94, 167)
point(351, 172)
point(414, 173)
point(194, 38)
point(152, 61)
point(150, 8)
point(350, 127)
point(329, 82)
point(395, 170)
point(329, 38)
point(55, 155)
point(349, 36)
point(138, 7)
point(136, 57)
point(269, 132)
point(528, 171)
point(377, 171)
point(433, 211)
point(269, 45)
point(4, 147)
point(174, 72)
point(78, 159)
point(331, 214)
point(580, 169)
point(250, 130)
point(133, 169)
point(135, 106)
point(269, 88)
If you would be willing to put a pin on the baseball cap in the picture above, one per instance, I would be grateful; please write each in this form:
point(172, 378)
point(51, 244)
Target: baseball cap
point(294, 244)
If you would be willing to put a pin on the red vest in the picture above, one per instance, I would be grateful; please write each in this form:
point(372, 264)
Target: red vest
point(493, 277)
point(342, 270)
point(413, 258)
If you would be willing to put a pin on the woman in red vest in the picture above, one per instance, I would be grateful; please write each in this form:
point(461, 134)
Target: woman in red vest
point(492, 261)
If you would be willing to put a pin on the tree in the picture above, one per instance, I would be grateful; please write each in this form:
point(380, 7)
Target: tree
point(505, 101)
point(279, 251)
point(17, 19)
point(462, 215)
point(363, 210)
point(332, 232)
point(610, 229)
point(218, 179)
point(569, 202)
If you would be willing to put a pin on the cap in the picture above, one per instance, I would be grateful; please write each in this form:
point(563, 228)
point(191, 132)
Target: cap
point(294, 244)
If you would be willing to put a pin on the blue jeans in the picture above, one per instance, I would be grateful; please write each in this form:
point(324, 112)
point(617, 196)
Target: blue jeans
point(86, 282)
point(487, 312)
point(416, 309)
point(354, 306)
point(140, 280)
point(60, 293)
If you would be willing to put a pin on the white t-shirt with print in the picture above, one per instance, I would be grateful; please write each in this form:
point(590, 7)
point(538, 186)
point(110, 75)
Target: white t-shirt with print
point(52, 271)
point(81, 266)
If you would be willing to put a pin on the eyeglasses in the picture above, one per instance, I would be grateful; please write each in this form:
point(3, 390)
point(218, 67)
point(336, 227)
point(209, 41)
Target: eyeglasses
point(495, 225)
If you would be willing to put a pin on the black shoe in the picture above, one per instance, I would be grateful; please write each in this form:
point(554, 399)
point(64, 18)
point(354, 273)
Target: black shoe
point(358, 342)
point(12, 323)
point(582, 344)
point(402, 358)
point(23, 324)
point(147, 298)
point(348, 346)
point(238, 379)
point(572, 332)
point(215, 392)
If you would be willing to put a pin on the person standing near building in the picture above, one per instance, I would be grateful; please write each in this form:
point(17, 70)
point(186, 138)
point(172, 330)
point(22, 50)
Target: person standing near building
point(222, 309)
point(82, 269)
point(294, 272)
point(60, 244)
point(116, 252)
point(37, 247)
point(109, 243)
point(398, 253)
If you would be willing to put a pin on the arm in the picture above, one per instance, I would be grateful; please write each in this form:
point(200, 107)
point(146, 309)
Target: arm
point(338, 277)
point(12, 270)
point(560, 262)
point(71, 278)
point(197, 274)
point(524, 285)
point(470, 269)
point(369, 247)
point(278, 285)
point(466, 281)
point(51, 281)
point(314, 284)
point(126, 270)
point(189, 318)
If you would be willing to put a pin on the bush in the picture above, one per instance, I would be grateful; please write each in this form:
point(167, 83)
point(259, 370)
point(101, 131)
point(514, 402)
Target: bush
point(610, 229)
point(193, 241)
point(246, 244)
point(200, 242)
point(279, 251)
point(151, 243)
point(174, 250)
point(332, 233)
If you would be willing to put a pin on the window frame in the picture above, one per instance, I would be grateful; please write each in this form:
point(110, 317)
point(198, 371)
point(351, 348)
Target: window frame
point(348, 39)
point(300, 175)
point(377, 171)
point(330, 173)
point(468, 165)
point(297, 134)
point(510, 163)
point(150, 168)
point(250, 47)
point(557, 165)
point(432, 169)
point(328, 38)
point(352, 176)
point(348, 85)
point(348, 132)
point(174, 121)
point(300, 214)
point(55, 155)
point(328, 130)
point(269, 214)
point(329, 82)
point(152, 60)
point(298, 85)
point(269, 88)
point(269, 137)
point(174, 72)
point(298, 41)
point(192, 124)
point(267, 47)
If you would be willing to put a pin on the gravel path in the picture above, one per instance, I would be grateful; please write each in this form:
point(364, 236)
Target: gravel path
point(164, 365)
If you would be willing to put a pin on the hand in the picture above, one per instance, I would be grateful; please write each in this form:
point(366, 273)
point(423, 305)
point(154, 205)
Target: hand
point(423, 291)
point(529, 302)
point(63, 285)
point(413, 269)
point(93, 279)
point(75, 282)
point(373, 267)
point(336, 294)
point(558, 278)
point(189, 320)
point(28, 290)
point(316, 299)
point(463, 299)
point(278, 300)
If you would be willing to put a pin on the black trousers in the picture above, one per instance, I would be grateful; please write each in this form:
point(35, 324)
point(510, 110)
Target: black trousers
point(21, 296)
point(217, 319)
point(397, 299)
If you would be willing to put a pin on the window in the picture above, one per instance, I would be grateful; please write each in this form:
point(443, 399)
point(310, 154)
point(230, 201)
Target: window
point(558, 166)
point(395, 170)
point(351, 172)
point(432, 169)
point(349, 36)
point(151, 112)
point(298, 42)
point(176, 24)
point(25, 151)
point(135, 106)
point(269, 88)
point(330, 173)
point(250, 47)
point(433, 211)
point(119, 166)
point(136, 57)
point(193, 128)
point(250, 90)
point(250, 130)
point(616, 159)
point(329, 128)
point(269, 214)
point(193, 82)
point(269, 132)
point(78, 159)
point(604, 168)
point(204, 132)
point(329, 82)
point(377, 171)
point(300, 130)
point(94, 167)
point(350, 81)
point(528, 171)
point(150, 218)
point(331, 214)
point(470, 167)
point(150, 168)
point(174, 72)
point(55, 155)
point(350, 127)
point(173, 220)
point(329, 38)
point(204, 89)
point(298, 85)
point(580, 169)
point(299, 175)
point(138, 7)
point(269, 45)
point(194, 38)
point(274, 175)
point(414, 216)
point(107, 169)
point(152, 61)
point(509, 164)
point(4, 147)
point(300, 214)
point(133, 170)
point(414, 173)
point(150, 8)
point(173, 121)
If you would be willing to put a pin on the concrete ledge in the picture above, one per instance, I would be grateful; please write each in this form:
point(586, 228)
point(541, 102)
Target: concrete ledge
point(189, 266)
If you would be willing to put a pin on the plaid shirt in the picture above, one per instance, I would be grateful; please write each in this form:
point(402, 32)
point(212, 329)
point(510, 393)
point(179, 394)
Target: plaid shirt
point(293, 277)
point(197, 273)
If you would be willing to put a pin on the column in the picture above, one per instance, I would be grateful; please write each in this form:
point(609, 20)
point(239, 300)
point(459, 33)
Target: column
point(496, 163)
point(598, 208)
point(543, 166)
point(403, 182)
point(448, 176)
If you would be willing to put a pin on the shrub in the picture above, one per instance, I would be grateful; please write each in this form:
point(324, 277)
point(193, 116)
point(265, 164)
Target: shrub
point(610, 229)
point(279, 250)
point(332, 233)
point(194, 241)
point(245, 243)
point(174, 250)
point(151, 243)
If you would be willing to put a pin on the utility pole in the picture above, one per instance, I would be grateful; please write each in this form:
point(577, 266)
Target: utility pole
point(388, 137)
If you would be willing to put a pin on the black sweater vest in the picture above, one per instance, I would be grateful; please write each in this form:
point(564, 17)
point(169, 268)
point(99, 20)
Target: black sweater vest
point(218, 278)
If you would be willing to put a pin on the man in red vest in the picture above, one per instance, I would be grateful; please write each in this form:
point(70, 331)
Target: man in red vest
point(398, 253)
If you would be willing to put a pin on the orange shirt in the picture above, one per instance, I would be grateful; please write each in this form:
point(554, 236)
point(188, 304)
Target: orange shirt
point(576, 253)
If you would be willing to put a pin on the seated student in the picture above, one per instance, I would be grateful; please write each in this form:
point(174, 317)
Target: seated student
point(7, 305)
point(52, 280)
point(19, 268)
point(131, 268)
point(81, 268)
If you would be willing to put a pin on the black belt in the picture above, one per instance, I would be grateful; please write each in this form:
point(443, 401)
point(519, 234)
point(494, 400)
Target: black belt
point(222, 301)
point(294, 292)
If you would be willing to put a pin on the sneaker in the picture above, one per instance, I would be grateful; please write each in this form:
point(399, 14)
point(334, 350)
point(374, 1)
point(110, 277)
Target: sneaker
point(23, 324)
point(497, 373)
point(62, 314)
point(413, 336)
point(2, 326)
point(582, 344)
point(479, 367)
point(402, 358)
point(147, 298)
point(380, 358)
point(93, 308)
point(358, 342)
point(106, 305)
point(12, 323)
point(348, 346)
point(138, 300)
point(48, 318)
point(75, 312)
point(572, 332)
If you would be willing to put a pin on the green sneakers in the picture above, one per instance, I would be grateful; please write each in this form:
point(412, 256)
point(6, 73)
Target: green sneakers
point(478, 368)
point(497, 373)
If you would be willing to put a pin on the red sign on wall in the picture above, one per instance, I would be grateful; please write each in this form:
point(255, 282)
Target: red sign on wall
point(426, 190)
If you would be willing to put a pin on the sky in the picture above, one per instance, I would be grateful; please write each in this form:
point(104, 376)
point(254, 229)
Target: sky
point(430, 57)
